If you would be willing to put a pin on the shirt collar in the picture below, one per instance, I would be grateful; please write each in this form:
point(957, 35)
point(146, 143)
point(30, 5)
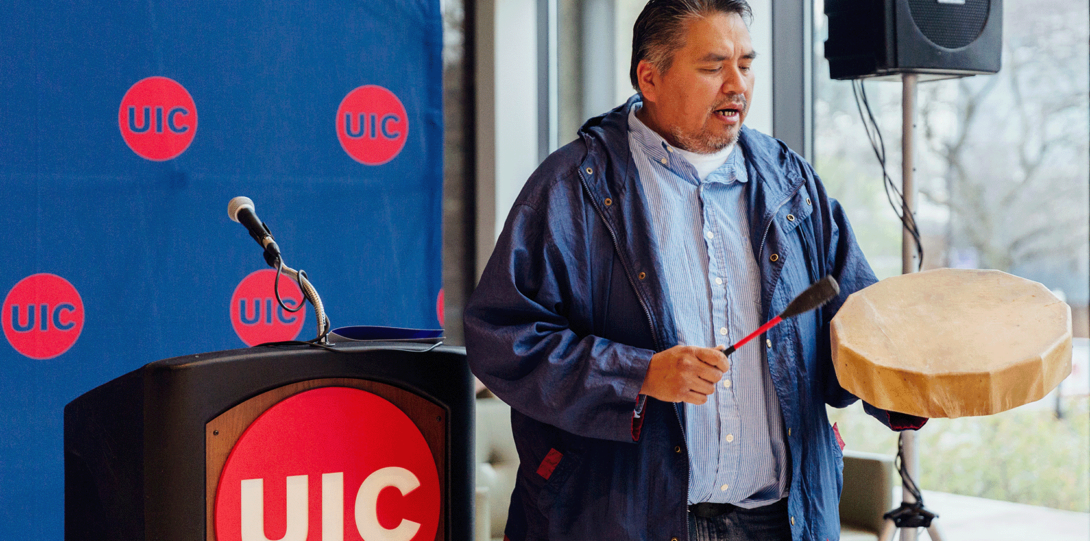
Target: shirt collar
point(658, 150)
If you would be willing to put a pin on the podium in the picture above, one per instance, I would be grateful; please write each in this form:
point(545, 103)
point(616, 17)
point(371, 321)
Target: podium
point(369, 441)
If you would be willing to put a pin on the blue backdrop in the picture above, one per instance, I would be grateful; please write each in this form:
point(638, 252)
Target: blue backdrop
point(147, 244)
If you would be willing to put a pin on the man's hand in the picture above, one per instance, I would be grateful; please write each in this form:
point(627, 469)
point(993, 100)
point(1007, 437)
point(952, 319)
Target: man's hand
point(684, 374)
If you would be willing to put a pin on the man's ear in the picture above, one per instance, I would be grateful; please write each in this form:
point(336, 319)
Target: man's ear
point(647, 75)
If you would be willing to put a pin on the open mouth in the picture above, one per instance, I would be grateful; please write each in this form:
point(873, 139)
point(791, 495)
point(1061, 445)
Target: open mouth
point(728, 113)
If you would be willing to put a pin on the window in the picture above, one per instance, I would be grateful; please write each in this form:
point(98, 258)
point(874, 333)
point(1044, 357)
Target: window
point(1002, 171)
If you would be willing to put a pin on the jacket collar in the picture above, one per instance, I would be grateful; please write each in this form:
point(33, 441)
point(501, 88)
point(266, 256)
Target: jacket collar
point(770, 166)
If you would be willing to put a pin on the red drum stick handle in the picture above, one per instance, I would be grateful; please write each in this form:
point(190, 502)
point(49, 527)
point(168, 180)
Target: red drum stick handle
point(772, 323)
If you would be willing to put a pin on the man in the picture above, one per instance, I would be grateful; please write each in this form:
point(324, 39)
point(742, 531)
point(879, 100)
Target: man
point(631, 258)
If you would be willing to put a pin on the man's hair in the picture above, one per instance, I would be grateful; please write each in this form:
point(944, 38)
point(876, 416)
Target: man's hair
point(659, 30)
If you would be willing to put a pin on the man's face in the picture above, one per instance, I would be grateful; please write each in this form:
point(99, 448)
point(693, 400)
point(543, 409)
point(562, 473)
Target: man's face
point(700, 102)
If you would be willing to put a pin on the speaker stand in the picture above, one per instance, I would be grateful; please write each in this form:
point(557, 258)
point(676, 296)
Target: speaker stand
point(911, 515)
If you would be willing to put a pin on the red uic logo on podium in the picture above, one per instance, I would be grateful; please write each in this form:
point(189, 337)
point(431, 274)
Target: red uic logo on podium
point(335, 464)
point(257, 317)
point(372, 125)
point(157, 118)
point(42, 316)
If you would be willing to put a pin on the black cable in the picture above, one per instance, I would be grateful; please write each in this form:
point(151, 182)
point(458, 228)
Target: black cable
point(299, 277)
point(907, 481)
point(276, 288)
point(893, 194)
point(896, 200)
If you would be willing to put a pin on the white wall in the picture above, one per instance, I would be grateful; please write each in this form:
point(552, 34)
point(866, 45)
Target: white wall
point(760, 31)
point(507, 104)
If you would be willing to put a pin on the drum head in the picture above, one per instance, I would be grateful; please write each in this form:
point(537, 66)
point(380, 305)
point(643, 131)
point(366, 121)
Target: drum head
point(952, 343)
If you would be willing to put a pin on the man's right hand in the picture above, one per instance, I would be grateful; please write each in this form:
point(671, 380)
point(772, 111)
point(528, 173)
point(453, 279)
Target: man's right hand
point(684, 374)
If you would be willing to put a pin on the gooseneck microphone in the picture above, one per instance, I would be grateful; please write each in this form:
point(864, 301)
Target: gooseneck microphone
point(241, 210)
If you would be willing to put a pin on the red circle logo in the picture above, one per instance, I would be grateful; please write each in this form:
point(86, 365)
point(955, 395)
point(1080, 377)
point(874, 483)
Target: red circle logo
point(372, 125)
point(157, 118)
point(439, 307)
point(42, 316)
point(256, 315)
point(331, 463)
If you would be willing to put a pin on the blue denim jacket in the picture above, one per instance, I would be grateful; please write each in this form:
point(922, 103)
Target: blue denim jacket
point(571, 307)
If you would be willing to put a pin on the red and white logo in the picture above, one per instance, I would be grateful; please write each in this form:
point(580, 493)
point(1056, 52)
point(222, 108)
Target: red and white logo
point(42, 316)
point(335, 464)
point(157, 118)
point(372, 125)
point(257, 317)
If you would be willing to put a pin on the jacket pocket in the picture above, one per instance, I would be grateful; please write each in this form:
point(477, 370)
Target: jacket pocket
point(556, 469)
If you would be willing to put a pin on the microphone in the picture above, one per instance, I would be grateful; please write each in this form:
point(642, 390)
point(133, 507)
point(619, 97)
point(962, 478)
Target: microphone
point(241, 210)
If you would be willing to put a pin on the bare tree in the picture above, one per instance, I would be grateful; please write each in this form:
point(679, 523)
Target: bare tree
point(1011, 149)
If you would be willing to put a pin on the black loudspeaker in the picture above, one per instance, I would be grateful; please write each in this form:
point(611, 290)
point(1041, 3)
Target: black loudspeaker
point(936, 39)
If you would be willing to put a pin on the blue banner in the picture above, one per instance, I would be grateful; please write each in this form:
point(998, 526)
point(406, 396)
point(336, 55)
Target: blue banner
point(125, 129)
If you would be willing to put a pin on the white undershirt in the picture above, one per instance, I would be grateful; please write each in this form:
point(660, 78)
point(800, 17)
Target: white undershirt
point(706, 163)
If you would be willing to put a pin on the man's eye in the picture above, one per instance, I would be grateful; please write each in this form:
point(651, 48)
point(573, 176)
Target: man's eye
point(744, 68)
point(710, 70)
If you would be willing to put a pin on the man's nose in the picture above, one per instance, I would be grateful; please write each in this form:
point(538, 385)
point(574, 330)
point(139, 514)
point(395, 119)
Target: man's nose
point(734, 81)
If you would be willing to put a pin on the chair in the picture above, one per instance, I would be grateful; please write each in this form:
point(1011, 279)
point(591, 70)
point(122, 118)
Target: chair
point(867, 495)
point(497, 465)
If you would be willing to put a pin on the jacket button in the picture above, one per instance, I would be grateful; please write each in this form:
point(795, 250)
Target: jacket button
point(643, 275)
point(790, 217)
point(677, 449)
point(792, 521)
point(609, 201)
point(768, 342)
point(590, 171)
point(774, 258)
point(808, 201)
point(673, 539)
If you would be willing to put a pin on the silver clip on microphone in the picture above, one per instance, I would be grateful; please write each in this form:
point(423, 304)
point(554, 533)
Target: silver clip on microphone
point(241, 210)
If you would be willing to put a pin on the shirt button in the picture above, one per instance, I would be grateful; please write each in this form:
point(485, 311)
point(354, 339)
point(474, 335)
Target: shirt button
point(726, 383)
point(710, 235)
point(724, 487)
point(719, 281)
point(668, 149)
point(664, 161)
point(730, 438)
point(723, 331)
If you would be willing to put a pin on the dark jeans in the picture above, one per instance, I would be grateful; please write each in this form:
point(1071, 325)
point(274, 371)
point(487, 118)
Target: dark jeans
point(768, 523)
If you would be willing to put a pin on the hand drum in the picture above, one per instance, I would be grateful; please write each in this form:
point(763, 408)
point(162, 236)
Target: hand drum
point(952, 343)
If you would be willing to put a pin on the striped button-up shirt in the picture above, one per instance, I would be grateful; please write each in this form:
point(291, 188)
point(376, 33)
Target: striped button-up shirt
point(736, 439)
